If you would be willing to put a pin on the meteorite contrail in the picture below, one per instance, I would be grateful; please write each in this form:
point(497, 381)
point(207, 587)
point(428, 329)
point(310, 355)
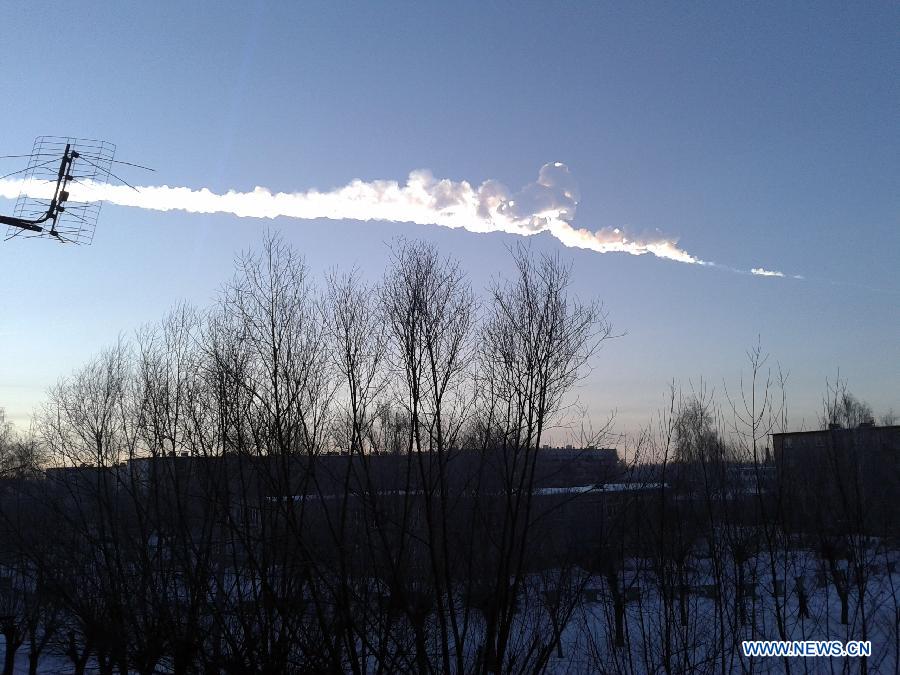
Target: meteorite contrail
point(546, 205)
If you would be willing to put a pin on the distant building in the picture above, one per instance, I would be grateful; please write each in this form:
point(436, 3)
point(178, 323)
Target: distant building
point(561, 467)
point(834, 476)
point(872, 448)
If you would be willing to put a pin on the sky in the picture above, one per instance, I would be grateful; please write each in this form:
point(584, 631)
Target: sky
point(755, 134)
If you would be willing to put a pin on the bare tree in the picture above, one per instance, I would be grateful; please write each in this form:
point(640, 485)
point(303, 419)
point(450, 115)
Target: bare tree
point(292, 481)
point(20, 453)
point(536, 342)
point(840, 408)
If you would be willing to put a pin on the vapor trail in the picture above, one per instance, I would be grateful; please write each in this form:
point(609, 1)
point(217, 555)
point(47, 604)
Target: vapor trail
point(547, 205)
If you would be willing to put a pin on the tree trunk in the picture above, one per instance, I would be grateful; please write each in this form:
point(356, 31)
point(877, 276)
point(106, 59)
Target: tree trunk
point(620, 623)
point(612, 582)
point(78, 656)
point(9, 660)
point(557, 635)
point(421, 649)
point(683, 603)
point(12, 646)
point(802, 599)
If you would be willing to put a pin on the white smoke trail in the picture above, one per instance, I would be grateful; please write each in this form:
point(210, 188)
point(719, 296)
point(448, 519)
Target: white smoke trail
point(547, 205)
point(761, 272)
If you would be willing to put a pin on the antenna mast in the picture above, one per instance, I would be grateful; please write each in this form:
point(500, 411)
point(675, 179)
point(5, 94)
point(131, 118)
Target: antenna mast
point(57, 203)
point(44, 207)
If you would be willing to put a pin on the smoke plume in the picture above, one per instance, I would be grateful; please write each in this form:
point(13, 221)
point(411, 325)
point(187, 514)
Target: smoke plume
point(761, 272)
point(546, 205)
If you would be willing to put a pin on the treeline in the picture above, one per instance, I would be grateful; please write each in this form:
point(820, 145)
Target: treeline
point(351, 480)
point(200, 526)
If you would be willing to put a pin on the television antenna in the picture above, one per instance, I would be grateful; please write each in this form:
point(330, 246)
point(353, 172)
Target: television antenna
point(44, 207)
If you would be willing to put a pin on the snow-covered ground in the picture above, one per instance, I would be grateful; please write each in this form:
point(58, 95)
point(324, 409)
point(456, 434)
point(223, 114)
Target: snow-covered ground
point(708, 641)
point(701, 645)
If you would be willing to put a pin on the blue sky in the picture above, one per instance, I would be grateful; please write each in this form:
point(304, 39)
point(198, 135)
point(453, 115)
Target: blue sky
point(759, 134)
